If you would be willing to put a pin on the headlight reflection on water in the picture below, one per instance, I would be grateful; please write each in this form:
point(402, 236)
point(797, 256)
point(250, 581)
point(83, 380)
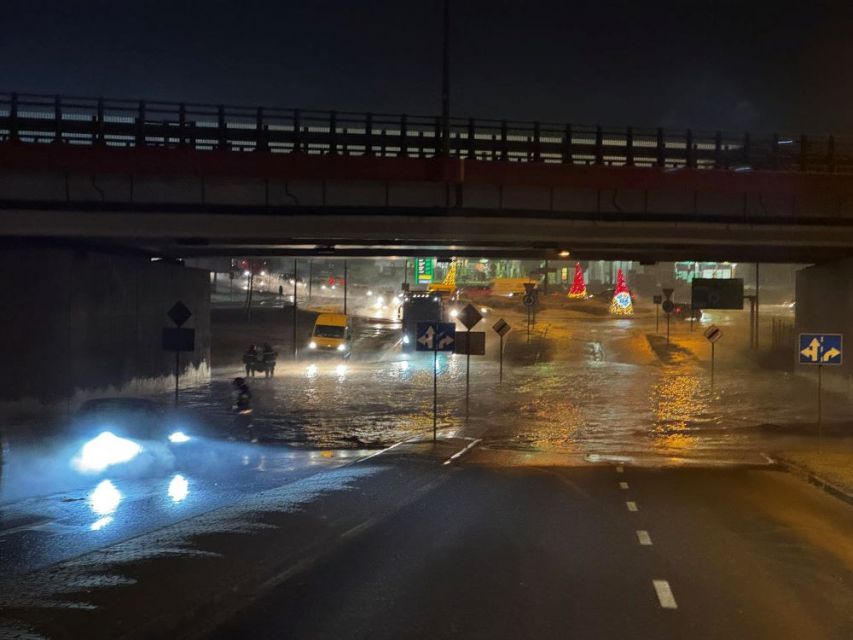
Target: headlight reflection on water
point(179, 488)
point(104, 501)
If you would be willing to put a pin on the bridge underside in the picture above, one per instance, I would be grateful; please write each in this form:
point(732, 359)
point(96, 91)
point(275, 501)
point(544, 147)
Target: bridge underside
point(178, 203)
point(360, 231)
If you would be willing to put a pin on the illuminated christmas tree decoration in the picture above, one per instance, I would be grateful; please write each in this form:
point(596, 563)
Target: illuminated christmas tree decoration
point(621, 304)
point(578, 289)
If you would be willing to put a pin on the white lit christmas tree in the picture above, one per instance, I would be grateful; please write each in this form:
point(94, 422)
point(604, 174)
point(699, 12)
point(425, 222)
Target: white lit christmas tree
point(621, 304)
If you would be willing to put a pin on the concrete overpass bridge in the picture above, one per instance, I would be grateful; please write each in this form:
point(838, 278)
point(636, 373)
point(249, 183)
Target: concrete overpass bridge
point(188, 180)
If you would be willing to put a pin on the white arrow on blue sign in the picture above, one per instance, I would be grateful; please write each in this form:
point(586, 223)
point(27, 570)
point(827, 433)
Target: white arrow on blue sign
point(821, 348)
point(435, 336)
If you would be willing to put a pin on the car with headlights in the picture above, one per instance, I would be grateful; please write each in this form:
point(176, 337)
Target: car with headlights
point(127, 433)
point(331, 336)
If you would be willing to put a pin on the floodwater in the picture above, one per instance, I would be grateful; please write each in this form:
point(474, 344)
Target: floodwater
point(592, 385)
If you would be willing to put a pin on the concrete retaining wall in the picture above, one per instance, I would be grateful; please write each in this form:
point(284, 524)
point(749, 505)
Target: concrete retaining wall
point(77, 324)
point(825, 305)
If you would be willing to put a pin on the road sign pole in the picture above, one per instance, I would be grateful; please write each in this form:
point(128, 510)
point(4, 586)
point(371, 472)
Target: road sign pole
point(819, 406)
point(712, 365)
point(346, 284)
point(528, 324)
point(657, 318)
point(177, 374)
point(757, 303)
point(501, 366)
point(667, 329)
point(295, 348)
point(467, 372)
point(435, 389)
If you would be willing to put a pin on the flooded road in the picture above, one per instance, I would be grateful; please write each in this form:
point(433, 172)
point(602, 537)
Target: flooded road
point(583, 388)
point(589, 385)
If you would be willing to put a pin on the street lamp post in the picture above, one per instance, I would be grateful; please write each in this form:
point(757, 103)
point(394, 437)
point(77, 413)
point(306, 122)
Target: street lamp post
point(445, 83)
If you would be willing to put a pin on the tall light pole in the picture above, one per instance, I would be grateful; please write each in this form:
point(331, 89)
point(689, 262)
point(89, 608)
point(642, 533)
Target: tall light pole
point(445, 83)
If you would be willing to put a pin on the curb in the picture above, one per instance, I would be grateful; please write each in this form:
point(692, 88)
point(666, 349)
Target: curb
point(814, 479)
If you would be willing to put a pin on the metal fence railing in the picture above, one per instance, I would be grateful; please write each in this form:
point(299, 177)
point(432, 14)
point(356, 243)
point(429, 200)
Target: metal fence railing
point(138, 123)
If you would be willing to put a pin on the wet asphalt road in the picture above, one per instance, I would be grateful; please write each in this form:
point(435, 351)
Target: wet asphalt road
point(500, 547)
point(496, 552)
point(74, 514)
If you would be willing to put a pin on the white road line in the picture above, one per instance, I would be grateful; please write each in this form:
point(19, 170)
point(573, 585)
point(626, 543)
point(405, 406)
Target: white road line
point(393, 446)
point(623, 485)
point(632, 506)
point(458, 454)
point(620, 469)
point(665, 597)
point(644, 538)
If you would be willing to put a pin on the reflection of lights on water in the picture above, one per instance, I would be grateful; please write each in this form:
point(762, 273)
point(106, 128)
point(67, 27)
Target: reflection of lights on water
point(100, 523)
point(179, 487)
point(104, 498)
point(677, 404)
point(341, 369)
point(403, 365)
point(179, 437)
point(311, 370)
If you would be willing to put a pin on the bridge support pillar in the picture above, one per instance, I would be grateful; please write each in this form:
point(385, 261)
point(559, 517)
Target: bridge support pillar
point(81, 323)
point(824, 304)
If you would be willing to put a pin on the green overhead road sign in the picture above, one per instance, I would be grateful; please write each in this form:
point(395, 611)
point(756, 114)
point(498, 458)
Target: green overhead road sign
point(424, 270)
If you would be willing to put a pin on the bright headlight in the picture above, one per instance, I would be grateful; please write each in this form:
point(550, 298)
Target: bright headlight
point(103, 451)
point(454, 313)
point(312, 345)
point(178, 437)
point(405, 339)
point(342, 347)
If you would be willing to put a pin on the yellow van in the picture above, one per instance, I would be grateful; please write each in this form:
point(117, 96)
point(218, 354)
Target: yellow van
point(332, 335)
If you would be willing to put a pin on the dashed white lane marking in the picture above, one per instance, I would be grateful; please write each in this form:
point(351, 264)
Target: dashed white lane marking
point(620, 469)
point(644, 538)
point(458, 454)
point(632, 506)
point(665, 597)
point(623, 485)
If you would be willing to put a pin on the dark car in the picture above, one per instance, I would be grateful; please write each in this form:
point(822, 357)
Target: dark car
point(683, 310)
point(117, 430)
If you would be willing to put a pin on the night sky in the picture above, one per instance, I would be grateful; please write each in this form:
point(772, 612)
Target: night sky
point(755, 65)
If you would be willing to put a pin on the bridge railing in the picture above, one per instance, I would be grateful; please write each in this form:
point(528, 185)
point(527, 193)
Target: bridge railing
point(137, 123)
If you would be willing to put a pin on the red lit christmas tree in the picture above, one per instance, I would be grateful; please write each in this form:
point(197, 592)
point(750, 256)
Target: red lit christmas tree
point(621, 304)
point(578, 289)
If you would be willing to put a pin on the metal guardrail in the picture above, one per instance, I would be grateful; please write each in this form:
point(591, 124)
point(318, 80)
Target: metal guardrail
point(33, 118)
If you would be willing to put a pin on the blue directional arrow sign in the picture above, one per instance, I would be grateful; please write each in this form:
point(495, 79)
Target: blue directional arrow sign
point(821, 348)
point(436, 336)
